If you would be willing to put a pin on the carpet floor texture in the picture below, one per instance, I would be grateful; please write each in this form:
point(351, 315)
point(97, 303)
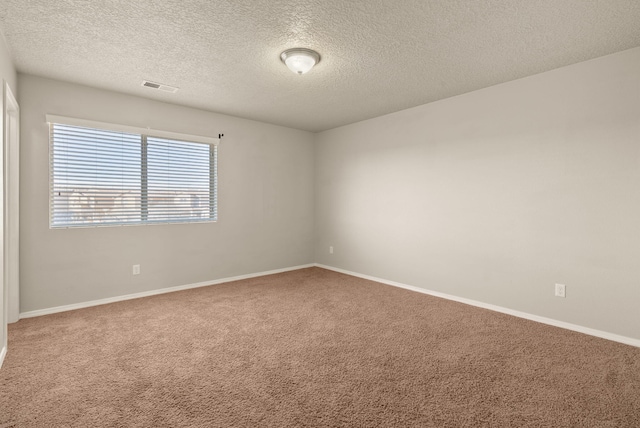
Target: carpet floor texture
point(310, 348)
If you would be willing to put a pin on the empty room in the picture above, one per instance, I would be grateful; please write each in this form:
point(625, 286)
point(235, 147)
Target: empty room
point(320, 213)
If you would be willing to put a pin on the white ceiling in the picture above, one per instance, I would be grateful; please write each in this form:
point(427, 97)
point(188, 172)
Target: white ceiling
point(378, 56)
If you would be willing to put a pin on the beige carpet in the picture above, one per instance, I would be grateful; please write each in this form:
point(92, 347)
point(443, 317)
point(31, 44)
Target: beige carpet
point(310, 348)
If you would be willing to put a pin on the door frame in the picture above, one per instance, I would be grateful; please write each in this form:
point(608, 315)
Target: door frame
point(11, 276)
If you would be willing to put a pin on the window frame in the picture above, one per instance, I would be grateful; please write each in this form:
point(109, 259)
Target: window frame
point(144, 133)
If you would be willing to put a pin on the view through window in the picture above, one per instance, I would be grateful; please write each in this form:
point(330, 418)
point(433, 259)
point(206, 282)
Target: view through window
point(102, 177)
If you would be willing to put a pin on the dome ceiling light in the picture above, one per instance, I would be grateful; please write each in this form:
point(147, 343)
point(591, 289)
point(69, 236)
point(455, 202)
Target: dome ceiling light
point(300, 60)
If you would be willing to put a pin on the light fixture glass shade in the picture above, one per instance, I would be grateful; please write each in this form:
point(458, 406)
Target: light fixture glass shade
point(300, 60)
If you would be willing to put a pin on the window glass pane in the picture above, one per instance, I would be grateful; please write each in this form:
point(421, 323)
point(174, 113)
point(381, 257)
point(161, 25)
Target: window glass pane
point(178, 180)
point(95, 176)
point(101, 177)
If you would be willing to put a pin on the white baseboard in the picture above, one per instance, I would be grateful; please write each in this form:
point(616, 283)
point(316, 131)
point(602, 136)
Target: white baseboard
point(3, 353)
point(519, 314)
point(81, 305)
point(540, 319)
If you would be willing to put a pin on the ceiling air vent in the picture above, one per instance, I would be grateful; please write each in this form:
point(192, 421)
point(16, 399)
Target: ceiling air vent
point(159, 86)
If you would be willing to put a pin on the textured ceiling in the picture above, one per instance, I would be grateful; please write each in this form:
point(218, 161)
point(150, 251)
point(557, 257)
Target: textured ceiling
point(378, 56)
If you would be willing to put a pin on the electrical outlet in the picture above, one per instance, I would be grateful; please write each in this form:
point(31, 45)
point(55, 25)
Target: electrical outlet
point(136, 269)
point(561, 290)
point(331, 250)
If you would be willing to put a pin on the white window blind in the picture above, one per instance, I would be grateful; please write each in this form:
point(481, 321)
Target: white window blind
point(101, 177)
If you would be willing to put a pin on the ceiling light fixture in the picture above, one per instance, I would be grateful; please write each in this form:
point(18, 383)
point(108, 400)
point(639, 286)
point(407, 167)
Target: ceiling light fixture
point(300, 60)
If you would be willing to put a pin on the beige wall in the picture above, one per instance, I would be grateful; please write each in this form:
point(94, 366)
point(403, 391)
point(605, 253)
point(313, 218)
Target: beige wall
point(265, 204)
point(498, 194)
point(8, 75)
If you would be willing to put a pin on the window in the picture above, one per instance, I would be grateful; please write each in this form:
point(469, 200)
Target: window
point(105, 177)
